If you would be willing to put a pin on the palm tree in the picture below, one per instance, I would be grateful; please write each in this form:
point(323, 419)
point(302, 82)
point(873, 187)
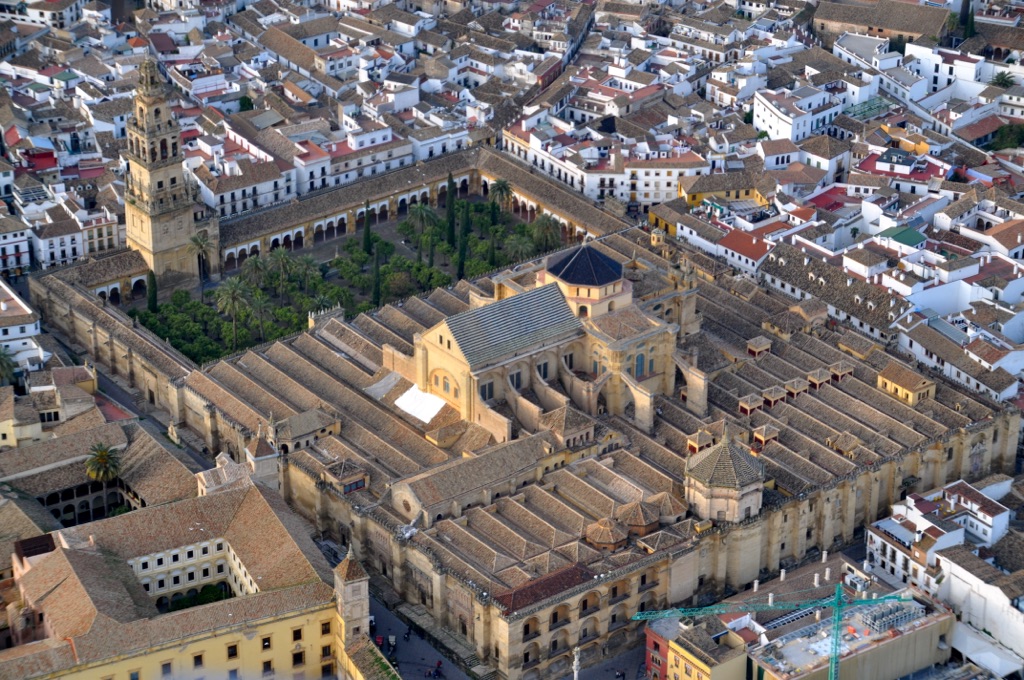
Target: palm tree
point(254, 271)
point(200, 245)
point(1003, 79)
point(281, 263)
point(231, 300)
point(519, 248)
point(103, 463)
point(501, 192)
point(261, 309)
point(322, 302)
point(422, 216)
point(547, 232)
point(306, 268)
point(8, 365)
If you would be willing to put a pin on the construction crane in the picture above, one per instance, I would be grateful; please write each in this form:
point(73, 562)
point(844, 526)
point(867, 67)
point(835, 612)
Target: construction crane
point(838, 602)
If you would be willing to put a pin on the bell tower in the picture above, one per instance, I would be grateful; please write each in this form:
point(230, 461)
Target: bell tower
point(162, 211)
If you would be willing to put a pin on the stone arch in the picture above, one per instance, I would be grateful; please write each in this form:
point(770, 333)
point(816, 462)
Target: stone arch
point(286, 242)
point(442, 196)
point(318, 232)
point(230, 262)
point(275, 243)
point(531, 655)
point(284, 449)
point(163, 149)
point(531, 628)
point(382, 213)
point(559, 615)
point(403, 206)
point(425, 197)
point(139, 287)
point(589, 628)
point(254, 251)
point(464, 187)
point(443, 384)
point(485, 188)
point(591, 600)
point(559, 642)
point(163, 604)
point(243, 255)
point(298, 240)
point(115, 295)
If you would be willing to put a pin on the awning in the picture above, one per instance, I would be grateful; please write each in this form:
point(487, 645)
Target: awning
point(984, 651)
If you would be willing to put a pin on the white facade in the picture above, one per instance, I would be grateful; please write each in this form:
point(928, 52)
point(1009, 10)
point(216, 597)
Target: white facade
point(794, 115)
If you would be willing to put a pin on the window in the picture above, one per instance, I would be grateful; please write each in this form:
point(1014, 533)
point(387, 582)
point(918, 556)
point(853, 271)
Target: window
point(298, 659)
point(325, 652)
point(265, 642)
point(297, 635)
point(190, 554)
point(268, 668)
point(487, 391)
point(165, 669)
point(232, 651)
point(133, 675)
point(197, 661)
point(233, 674)
point(325, 628)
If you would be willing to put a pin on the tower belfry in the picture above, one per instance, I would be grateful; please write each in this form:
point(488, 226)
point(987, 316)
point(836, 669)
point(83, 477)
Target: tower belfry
point(162, 210)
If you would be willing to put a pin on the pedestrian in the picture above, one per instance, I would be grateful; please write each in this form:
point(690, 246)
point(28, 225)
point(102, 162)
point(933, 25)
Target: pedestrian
point(438, 664)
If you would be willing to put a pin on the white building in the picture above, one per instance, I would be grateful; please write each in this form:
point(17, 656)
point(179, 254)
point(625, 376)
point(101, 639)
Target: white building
point(19, 326)
point(904, 548)
point(794, 114)
point(942, 67)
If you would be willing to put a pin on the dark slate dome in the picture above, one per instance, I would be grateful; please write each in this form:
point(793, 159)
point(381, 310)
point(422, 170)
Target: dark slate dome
point(585, 266)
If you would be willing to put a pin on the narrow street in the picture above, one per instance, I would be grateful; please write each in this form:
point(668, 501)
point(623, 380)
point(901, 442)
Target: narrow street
point(415, 657)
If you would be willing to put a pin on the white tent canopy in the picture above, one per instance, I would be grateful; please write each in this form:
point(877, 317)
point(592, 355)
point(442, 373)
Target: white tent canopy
point(985, 651)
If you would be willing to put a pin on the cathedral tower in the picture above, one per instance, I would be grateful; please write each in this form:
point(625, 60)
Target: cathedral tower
point(161, 208)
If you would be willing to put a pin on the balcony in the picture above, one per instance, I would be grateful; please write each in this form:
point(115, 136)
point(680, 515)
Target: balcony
point(532, 663)
point(589, 610)
point(618, 598)
point(531, 636)
point(646, 586)
point(558, 624)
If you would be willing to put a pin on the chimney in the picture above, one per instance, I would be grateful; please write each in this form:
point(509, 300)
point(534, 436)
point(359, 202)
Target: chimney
point(771, 599)
point(782, 574)
point(806, 261)
point(824, 556)
point(828, 573)
point(757, 584)
point(1018, 237)
point(849, 282)
point(817, 580)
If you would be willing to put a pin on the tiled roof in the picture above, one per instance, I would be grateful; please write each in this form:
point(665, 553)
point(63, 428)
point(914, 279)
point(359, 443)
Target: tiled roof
point(501, 328)
point(544, 587)
point(726, 464)
point(584, 266)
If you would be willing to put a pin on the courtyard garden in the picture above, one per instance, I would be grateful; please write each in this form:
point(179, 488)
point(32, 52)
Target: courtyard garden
point(273, 294)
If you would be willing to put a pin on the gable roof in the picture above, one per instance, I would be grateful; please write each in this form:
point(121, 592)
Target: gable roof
point(585, 266)
point(498, 329)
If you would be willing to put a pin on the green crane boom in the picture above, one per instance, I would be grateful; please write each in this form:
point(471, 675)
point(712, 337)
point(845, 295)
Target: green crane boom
point(838, 602)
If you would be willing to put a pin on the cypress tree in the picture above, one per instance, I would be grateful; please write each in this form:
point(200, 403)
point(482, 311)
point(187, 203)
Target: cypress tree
point(367, 236)
point(376, 278)
point(965, 11)
point(495, 213)
point(467, 221)
point(430, 260)
point(450, 210)
point(151, 303)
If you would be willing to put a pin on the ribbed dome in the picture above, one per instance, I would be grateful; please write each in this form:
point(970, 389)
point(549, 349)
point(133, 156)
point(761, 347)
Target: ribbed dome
point(726, 464)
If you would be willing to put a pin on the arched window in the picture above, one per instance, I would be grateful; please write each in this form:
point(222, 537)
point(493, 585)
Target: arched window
point(639, 365)
point(447, 386)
